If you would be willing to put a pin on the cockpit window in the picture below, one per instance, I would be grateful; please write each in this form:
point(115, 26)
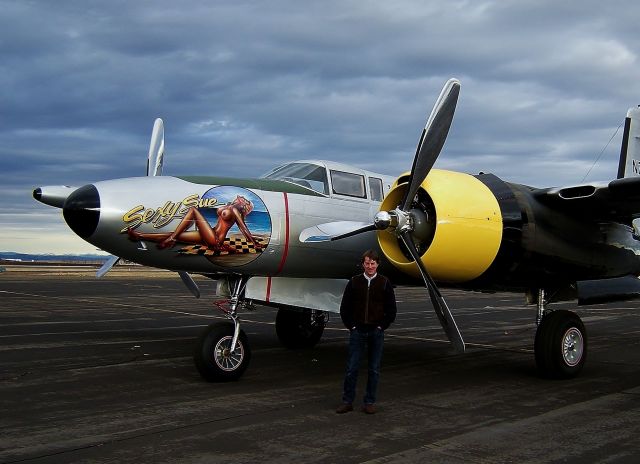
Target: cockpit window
point(347, 183)
point(375, 188)
point(308, 175)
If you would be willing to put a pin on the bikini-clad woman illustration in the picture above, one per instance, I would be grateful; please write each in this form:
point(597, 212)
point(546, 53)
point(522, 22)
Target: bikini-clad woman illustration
point(213, 237)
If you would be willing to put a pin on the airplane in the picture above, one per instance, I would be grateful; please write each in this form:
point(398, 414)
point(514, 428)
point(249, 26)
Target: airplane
point(291, 239)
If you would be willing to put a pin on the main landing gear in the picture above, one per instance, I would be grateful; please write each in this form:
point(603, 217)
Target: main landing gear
point(561, 342)
point(300, 328)
point(222, 352)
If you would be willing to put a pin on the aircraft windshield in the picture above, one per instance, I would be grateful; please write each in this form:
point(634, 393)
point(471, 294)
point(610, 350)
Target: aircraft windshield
point(308, 175)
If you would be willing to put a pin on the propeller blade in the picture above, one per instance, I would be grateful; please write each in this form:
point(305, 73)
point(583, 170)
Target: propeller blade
point(439, 304)
point(156, 149)
point(432, 139)
point(154, 168)
point(334, 231)
point(190, 283)
point(108, 264)
point(366, 228)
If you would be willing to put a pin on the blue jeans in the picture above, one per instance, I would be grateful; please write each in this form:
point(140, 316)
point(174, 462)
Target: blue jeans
point(373, 339)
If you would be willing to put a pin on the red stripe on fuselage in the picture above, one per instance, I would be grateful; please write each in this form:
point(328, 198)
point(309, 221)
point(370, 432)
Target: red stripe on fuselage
point(285, 252)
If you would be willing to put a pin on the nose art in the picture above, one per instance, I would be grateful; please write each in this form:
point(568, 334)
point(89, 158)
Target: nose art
point(81, 210)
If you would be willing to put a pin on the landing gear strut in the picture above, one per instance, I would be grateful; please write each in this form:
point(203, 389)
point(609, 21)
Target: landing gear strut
point(561, 342)
point(222, 352)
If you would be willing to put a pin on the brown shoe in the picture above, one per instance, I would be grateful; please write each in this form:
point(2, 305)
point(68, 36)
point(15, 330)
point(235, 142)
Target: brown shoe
point(369, 409)
point(344, 407)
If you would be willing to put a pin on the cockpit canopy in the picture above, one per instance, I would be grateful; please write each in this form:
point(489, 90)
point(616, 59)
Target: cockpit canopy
point(330, 178)
point(308, 175)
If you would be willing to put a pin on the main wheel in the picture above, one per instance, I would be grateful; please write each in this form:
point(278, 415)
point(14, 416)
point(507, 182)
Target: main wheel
point(300, 329)
point(213, 358)
point(561, 345)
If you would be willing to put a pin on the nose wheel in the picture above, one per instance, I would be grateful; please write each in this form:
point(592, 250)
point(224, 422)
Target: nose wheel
point(214, 357)
point(222, 352)
point(225, 358)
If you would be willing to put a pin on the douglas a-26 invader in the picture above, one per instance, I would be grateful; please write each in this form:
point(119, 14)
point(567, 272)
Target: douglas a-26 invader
point(433, 227)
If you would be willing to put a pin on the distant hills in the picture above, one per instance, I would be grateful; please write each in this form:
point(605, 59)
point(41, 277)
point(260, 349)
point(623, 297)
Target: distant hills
point(52, 258)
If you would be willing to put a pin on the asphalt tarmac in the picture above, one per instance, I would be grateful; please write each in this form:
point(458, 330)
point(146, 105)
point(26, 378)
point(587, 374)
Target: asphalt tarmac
point(101, 371)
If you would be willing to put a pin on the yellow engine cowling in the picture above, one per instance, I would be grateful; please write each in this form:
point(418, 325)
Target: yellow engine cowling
point(468, 228)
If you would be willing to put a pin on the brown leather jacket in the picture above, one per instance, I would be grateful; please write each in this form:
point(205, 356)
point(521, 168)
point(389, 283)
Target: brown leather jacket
point(365, 305)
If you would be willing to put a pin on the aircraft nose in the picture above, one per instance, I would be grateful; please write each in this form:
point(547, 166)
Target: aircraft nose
point(81, 210)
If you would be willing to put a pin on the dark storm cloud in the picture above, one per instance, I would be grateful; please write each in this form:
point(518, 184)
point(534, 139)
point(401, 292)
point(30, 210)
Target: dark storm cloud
point(245, 85)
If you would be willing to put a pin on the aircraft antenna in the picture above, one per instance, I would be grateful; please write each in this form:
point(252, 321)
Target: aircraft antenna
point(600, 155)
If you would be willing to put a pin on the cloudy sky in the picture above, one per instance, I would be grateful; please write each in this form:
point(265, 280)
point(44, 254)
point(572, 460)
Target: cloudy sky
point(244, 85)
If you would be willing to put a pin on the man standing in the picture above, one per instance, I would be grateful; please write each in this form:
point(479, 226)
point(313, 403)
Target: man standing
point(368, 308)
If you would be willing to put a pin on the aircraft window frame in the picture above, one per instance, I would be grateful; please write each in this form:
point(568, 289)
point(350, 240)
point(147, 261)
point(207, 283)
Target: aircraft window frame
point(379, 185)
point(270, 174)
point(346, 179)
point(308, 175)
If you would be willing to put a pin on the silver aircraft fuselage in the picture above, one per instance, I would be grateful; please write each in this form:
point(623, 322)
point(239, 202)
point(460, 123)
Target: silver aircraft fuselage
point(103, 213)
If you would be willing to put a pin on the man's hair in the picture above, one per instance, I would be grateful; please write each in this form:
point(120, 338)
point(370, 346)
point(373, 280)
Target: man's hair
point(372, 255)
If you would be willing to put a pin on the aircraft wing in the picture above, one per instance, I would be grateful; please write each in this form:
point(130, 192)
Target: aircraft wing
point(618, 200)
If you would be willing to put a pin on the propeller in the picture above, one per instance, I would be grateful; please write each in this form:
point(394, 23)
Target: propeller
point(440, 306)
point(156, 149)
point(190, 283)
point(407, 220)
point(334, 231)
point(432, 139)
point(154, 168)
point(108, 264)
point(155, 162)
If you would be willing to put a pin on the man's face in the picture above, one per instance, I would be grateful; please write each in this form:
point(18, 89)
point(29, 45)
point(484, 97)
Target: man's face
point(370, 266)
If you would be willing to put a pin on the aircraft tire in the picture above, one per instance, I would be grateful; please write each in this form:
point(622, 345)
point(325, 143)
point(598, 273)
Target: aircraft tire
point(212, 358)
point(299, 328)
point(560, 345)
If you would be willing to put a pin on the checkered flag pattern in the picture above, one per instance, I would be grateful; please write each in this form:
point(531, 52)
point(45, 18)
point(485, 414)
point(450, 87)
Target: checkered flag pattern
point(234, 245)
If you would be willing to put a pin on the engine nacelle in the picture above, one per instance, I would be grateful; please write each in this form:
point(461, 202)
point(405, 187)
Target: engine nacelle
point(468, 228)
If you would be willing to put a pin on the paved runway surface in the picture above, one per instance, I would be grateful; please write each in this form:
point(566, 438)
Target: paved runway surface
point(101, 371)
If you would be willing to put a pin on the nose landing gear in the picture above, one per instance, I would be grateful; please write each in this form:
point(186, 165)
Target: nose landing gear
point(222, 352)
point(215, 360)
